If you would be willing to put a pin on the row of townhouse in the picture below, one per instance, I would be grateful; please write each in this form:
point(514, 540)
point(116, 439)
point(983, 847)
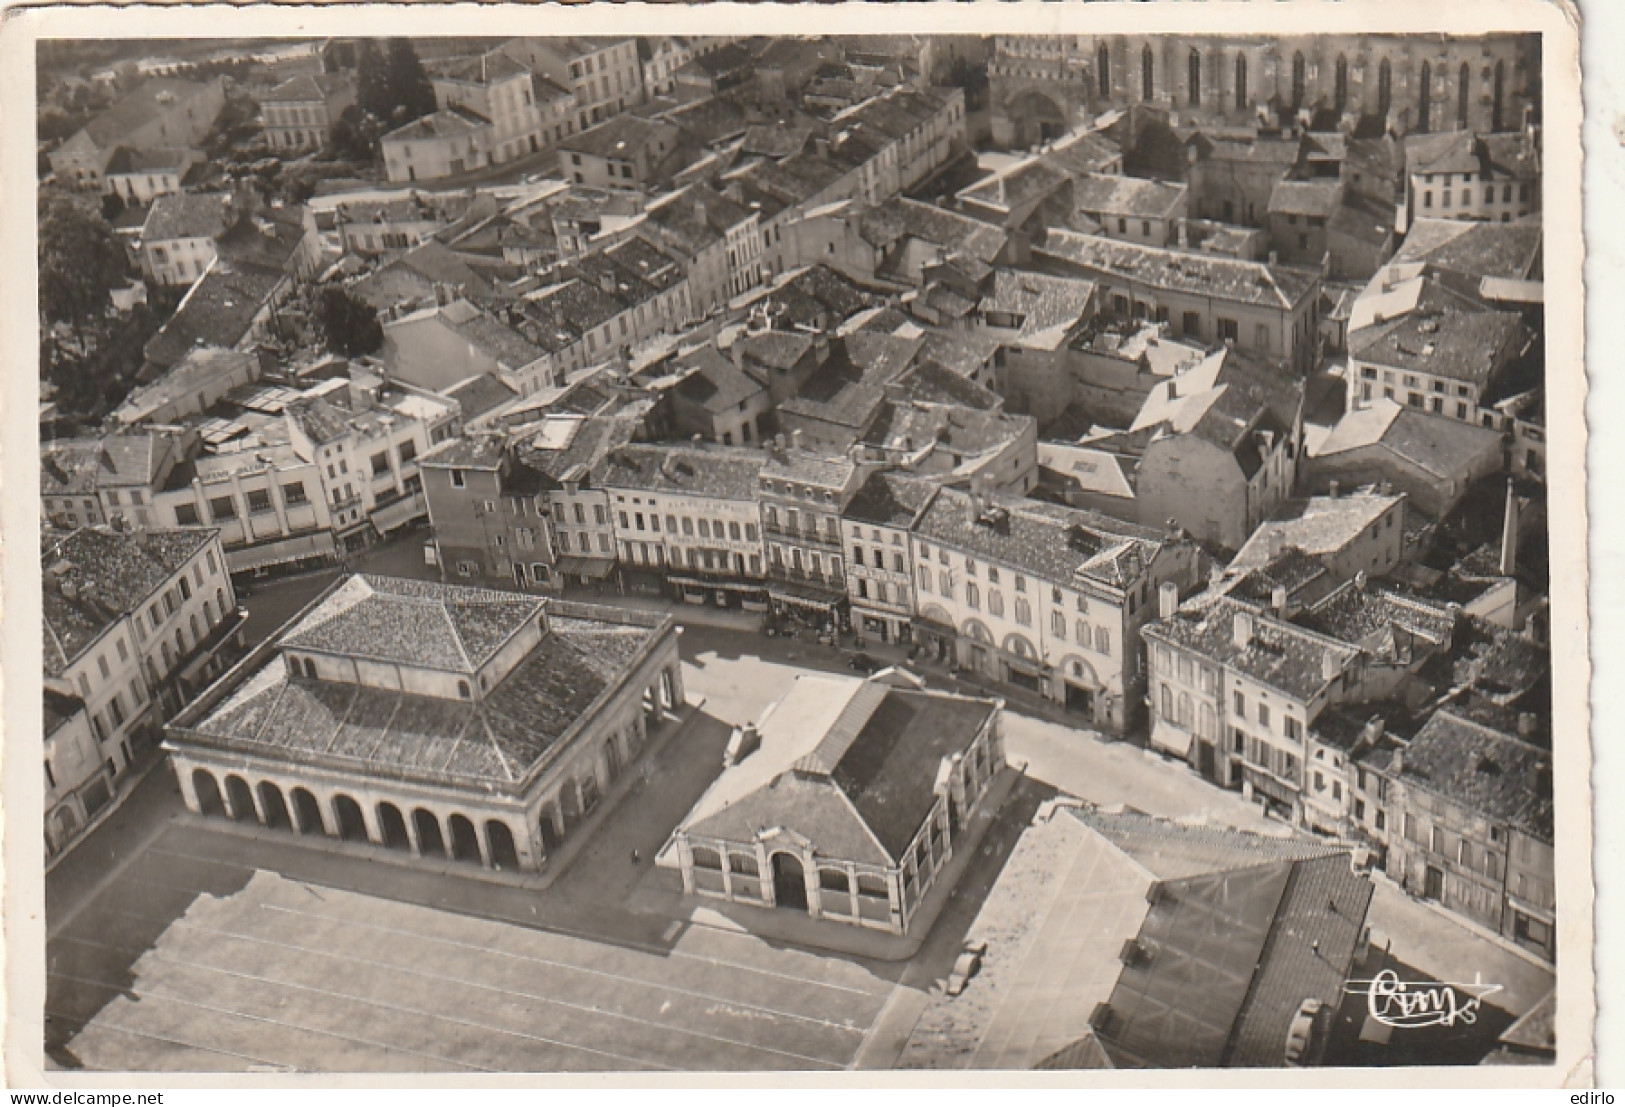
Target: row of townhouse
point(136, 623)
point(325, 473)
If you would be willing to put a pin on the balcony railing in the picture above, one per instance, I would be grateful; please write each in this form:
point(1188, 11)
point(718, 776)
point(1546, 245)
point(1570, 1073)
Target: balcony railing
point(793, 575)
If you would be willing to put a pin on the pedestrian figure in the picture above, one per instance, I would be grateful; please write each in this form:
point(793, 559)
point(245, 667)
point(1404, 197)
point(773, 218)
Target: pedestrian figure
point(634, 857)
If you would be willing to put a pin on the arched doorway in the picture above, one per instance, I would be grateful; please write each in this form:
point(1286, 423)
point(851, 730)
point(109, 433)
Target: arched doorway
point(1385, 89)
point(352, 824)
point(307, 812)
point(208, 793)
point(276, 808)
point(465, 843)
point(430, 840)
point(789, 881)
point(612, 758)
point(242, 799)
point(499, 844)
point(1036, 117)
point(392, 827)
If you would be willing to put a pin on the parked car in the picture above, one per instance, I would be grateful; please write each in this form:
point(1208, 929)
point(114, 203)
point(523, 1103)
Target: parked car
point(967, 966)
point(1300, 1035)
point(861, 662)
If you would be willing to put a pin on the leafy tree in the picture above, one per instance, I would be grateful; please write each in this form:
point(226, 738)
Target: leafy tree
point(112, 206)
point(409, 88)
point(80, 261)
point(350, 327)
point(372, 80)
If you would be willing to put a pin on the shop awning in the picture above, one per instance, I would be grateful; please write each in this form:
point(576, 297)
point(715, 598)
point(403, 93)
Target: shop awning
point(593, 568)
point(719, 585)
point(814, 599)
point(1170, 739)
point(266, 554)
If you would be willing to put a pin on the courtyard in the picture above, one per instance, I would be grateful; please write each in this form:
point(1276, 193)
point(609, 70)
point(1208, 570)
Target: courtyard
point(182, 942)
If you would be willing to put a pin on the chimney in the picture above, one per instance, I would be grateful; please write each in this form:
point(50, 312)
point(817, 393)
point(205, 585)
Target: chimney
point(1184, 234)
point(1386, 488)
point(1242, 631)
point(821, 146)
point(1332, 489)
point(1397, 764)
point(1167, 599)
point(795, 439)
point(699, 211)
point(1278, 600)
point(1330, 668)
point(1509, 534)
point(1527, 724)
point(1275, 258)
point(1361, 580)
point(1372, 730)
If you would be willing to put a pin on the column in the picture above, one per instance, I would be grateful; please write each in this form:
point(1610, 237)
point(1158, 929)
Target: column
point(481, 840)
point(411, 831)
point(557, 817)
point(852, 890)
point(259, 804)
point(369, 819)
point(183, 777)
point(813, 885)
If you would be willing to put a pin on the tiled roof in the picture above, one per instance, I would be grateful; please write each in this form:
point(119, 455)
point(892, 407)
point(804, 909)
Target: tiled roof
point(805, 467)
point(155, 160)
point(1017, 185)
point(1285, 657)
point(1488, 773)
point(60, 710)
point(1363, 218)
point(849, 388)
point(306, 88)
point(1098, 471)
point(1353, 614)
point(847, 763)
point(479, 394)
point(138, 107)
point(1320, 198)
point(720, 472)
point(446, 123)
point(1317, 526)
point(472, 451)
point(498, 743)
point(621, 136)
point(964, 431)
point(417, 623)
point(1442, 447)
point(69, 466)
point(1048, 307)
point(199, 368)
point(930, 382)
point(189, 215)
point(485, 69)
point(217, 311)
point(1465, 152)
point(269, 239)
point(1061, 545)
point(714, 382)
point(595, 437)
point(500, 342)
point(1090, 152)
point(898, 217)
point(1473, 247)
point(696, 216)
point(1460, 345)
point(890, 498)
point(110, 574)
point(1250, 282)
point(1111, 194)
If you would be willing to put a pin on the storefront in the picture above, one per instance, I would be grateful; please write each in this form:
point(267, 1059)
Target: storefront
point(811, 607)
point(587, 572)
point(728, 594)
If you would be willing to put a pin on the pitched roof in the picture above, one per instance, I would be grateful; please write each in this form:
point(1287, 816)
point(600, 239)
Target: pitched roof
point(452, 122)
point(109, 574)
point(1047, 307)
point(1320, 198)
point(849, 764)
point(68, 466)
point(1318, 525)
point(417, 623)
point(482, 69)
point(1473, 247)
point(1250, 282)
point(153, 160)
point(189, 215)
point(719, 472)
point(1288, 658)
point(1441, 447)
point(1460, 345)
point(1354, 614)
point(1097, 471)
point(714, 382)
point(1061, 545)
point(849, 387)
point(899, 217)
point(138, 107)
point(620, 136)
point(806, 467)
point(217, 311)
point(479, 394)
point(1112, 194)
point(199, 368)
point(307, 88)
point(1488, 773)
point(497, 743)
point(890, 498)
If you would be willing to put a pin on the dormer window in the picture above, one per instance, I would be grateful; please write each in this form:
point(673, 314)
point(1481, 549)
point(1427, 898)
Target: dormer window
point(463, 690)
point(310, 669)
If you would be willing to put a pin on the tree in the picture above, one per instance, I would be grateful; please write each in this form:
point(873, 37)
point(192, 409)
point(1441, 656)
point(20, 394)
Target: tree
point(112, 206)
point(350, 327)
point(372, 80)
point(80, 261)
point(410, 90)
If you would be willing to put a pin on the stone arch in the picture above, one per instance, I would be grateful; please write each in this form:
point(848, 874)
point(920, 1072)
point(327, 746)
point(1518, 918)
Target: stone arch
point(307, 812)
point(1021, 646)
point(977, 631)
point(347, 815)
point(310, 668)
point(430, 839)
point(499, 844)
point(274, 806)
point(207, 790)
point(1037, 115)
point(242, 799)
point(1078, 670)
point(934, 613)
point(789, 881)
point(612, 758)
point(465, 840)
point(392, 827)
point(548, 829)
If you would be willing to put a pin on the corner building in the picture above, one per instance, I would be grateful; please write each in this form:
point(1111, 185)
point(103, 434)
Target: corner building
point(440, 720)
